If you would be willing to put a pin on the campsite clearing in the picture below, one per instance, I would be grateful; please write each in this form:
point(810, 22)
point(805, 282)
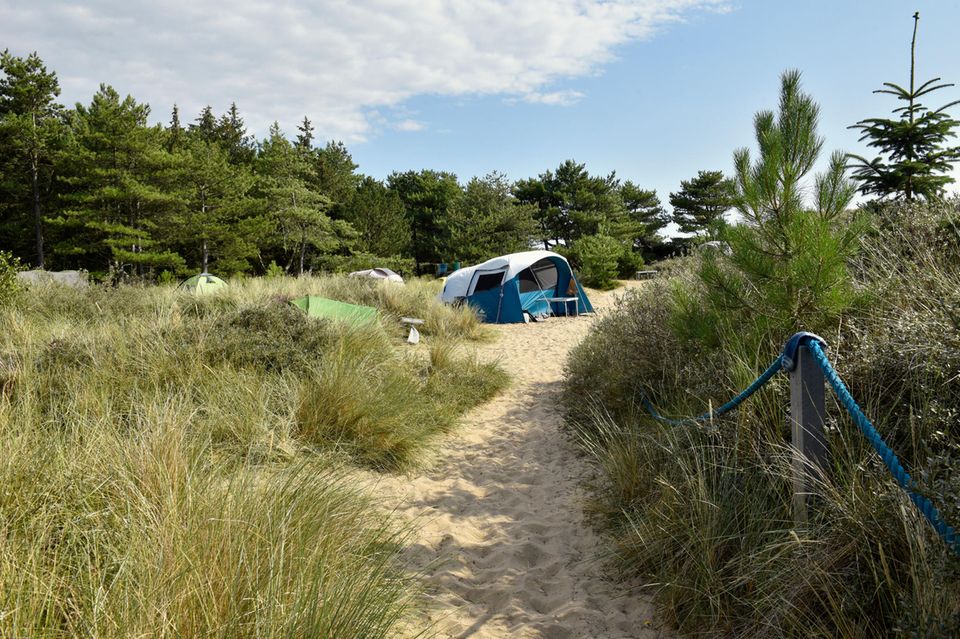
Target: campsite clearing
point(502, 539)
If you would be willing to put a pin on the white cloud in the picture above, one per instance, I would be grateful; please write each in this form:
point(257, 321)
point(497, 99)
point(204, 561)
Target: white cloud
point(559, 98)
point(334, 61)
point(409, 125)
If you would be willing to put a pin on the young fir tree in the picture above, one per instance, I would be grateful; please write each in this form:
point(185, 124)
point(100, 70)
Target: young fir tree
point(787, 267)
point(205, 126)
point(305, 137)
point(914, 157)
point(699, 205)
point(31, 127)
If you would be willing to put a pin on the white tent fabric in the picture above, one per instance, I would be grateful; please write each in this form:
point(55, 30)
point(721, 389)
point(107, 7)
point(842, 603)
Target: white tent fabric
point(458, 283)
point(379, 273)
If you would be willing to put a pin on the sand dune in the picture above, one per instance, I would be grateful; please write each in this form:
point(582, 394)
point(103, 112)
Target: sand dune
point(501, 532)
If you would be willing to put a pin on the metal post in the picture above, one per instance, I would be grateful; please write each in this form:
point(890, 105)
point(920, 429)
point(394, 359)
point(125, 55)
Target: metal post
point(806, 417)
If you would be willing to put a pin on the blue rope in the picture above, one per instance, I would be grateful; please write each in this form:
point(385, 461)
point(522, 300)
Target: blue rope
point(903, 478)
point(757, 384)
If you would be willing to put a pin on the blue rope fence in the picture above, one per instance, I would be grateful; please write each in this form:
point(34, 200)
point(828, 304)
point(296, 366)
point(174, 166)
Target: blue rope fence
point(787, 361)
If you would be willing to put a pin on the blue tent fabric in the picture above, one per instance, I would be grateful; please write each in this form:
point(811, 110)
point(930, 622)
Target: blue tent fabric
point(517, 284)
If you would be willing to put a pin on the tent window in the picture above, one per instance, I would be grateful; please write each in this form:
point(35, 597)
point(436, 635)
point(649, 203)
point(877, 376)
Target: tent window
point(487, 281)
point(528, 283)
point(546, 272)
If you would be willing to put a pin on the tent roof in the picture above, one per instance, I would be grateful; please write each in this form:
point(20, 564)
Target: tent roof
point(205, 278)
point(380, 273)
point(315, 306)
point(458, 282)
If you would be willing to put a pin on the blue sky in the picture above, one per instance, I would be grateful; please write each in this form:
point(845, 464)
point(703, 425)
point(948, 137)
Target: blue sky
point(652, 89)
point(685, 99)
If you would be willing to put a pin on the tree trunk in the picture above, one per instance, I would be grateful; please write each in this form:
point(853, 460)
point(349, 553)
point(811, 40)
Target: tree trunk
point(303, 253)
point(206, 256)
point(37, 223)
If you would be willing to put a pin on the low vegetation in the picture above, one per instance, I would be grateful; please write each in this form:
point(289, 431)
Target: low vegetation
point(704, 511)
point(175, 464)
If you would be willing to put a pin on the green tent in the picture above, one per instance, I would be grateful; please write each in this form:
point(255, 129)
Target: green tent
point(315, 306)
point(204, 283)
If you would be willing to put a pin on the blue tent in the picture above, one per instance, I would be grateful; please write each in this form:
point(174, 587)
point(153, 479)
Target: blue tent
point(505, 288)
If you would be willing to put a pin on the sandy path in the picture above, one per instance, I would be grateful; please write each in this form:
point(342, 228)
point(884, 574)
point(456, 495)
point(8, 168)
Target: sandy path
point(501, 529)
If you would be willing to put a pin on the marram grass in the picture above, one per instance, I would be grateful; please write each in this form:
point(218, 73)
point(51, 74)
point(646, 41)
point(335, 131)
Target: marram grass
point(162, 476)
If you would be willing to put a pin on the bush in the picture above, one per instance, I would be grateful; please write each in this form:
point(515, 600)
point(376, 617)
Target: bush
point(598, 258)
point(9, 284)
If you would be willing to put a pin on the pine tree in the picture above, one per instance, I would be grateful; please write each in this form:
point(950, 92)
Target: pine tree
point(205, 126)
point(645, 215)
point(488, 221)
point(787, 264)
point(117, 172)
point(428, 197)
point(213, 221)
point(699, 205)
point(917, 158)
point(300, 212)
point(334, 172)
point(175, 133)
point(305, 137)
point(379, 218)
point(231, 132)
point(31, 126)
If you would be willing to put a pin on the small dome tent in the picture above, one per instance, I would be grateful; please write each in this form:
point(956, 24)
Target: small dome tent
point(504, 288)
point(203, 283)
point(379, 273)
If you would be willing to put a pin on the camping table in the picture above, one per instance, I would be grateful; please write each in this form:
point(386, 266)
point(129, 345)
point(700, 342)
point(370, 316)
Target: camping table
point(565, 301)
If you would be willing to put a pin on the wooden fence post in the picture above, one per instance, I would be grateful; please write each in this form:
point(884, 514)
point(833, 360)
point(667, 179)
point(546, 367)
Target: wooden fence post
point(808, 439)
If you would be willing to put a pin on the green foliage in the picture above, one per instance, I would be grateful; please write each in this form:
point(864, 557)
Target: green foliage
point(31, 128)
point(699, 205)
point(705, 512)
point(379, 217)
point(274, 270)
point(787, 265)
point(9, 284)
point(487, 221)
point(917, 159)
point(428, 197)
point(598, 260)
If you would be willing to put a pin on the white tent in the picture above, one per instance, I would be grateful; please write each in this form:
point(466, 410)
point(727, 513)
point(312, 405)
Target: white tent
point(458, 283)
point(379, 273)
point(511, 288)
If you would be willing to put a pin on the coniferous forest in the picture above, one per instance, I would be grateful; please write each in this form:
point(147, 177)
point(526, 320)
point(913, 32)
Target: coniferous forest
point(96, 186)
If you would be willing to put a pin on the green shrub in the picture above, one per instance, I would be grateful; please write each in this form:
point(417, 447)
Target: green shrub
point(274, 270)
point(598, 258)
point(9, 285)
